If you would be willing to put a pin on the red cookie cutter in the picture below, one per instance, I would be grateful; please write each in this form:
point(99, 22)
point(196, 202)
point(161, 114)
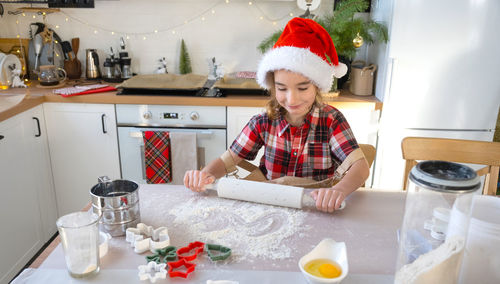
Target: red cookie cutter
point(176, 264)
point(197, 247)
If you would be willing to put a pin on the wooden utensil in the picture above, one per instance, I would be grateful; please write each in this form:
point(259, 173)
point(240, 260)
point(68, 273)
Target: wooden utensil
point(73, 66)
point(75, 42)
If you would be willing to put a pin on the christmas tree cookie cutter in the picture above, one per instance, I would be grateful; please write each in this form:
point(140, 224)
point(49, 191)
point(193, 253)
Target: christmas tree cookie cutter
point(195, 247)
point(156, 238)
point(163, 255)
point(217, 252)
point(176, 264)
point(152, 271)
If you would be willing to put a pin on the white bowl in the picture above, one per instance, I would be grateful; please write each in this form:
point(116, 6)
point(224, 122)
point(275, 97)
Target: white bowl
point(326, 249)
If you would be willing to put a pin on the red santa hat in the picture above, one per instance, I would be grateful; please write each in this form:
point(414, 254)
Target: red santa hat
point(304, 47)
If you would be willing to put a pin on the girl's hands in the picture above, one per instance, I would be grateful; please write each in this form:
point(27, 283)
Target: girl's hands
point(328, 199)
point(196, 180)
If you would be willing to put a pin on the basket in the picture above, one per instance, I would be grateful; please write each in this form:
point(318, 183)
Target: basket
point(362, 78)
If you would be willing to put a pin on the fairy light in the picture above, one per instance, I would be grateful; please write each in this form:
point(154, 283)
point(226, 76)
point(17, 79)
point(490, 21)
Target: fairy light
point(34, 17)
point(24, 15)
point(18, 36)
point(202, 16)
point(17, 22)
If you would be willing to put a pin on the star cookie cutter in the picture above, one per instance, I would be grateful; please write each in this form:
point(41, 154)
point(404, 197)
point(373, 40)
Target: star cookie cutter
point(217, 252)
point(182, 262)
point(163, 255)
point(156, 238)
point(195, 247)
point(152, 271)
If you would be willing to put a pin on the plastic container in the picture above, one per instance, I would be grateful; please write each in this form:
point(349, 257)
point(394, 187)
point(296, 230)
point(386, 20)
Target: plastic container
point(481, 261)
point(435, 188)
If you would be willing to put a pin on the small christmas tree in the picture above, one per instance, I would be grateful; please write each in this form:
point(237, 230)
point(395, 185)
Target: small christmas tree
point(184, 61)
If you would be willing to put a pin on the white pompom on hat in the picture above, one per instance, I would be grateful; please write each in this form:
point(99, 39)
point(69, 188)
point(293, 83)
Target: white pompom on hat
point(304, 47)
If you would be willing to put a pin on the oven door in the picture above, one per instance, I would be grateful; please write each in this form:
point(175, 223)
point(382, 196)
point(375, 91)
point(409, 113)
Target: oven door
point(211, 143)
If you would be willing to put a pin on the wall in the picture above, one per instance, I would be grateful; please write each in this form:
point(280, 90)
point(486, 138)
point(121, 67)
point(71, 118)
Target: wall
point(230, 32)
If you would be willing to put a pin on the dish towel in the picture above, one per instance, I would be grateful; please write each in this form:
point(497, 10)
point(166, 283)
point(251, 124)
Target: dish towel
point(185, 159)
point(157, 156)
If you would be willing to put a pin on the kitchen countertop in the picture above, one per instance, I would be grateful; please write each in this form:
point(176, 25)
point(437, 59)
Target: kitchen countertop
point(367, 225)
point(35, 96)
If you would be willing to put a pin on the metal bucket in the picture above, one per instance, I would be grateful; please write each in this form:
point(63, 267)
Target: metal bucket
point(117, 202)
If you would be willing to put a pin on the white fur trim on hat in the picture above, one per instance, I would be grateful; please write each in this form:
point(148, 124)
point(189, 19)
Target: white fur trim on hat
point(300, 60)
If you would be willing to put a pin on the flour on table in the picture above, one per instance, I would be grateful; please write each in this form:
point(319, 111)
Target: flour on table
point(250, 229)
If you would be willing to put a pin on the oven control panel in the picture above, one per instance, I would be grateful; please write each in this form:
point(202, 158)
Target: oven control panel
point(174, 116)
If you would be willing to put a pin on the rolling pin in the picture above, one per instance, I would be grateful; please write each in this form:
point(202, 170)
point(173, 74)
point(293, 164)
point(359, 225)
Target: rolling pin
point(265, 193)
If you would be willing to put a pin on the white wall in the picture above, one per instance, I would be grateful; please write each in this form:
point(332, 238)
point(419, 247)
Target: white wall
point(230, 34)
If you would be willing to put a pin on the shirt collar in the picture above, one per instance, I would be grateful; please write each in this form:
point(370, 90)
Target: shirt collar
point(311, 119)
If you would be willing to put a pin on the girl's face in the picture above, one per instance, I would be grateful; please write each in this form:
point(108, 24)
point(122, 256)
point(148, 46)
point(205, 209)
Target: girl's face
point(295, 93)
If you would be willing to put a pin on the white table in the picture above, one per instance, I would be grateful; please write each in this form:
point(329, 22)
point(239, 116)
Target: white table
point(367, 225)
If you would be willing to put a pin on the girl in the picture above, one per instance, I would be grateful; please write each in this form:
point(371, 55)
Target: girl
point(302, 136)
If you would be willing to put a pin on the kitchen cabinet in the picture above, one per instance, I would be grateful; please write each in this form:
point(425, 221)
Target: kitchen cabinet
point(83, 146)
point(28, 209)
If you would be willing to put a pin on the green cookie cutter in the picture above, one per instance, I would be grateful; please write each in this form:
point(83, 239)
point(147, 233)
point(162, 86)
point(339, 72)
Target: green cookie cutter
point(163, 255)
point(222, 252)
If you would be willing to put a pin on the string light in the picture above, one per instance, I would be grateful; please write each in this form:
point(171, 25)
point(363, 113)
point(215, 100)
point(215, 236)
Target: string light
point(198, 17)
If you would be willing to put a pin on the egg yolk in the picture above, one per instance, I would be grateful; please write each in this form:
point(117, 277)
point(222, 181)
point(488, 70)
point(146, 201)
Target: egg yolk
point(323, 268)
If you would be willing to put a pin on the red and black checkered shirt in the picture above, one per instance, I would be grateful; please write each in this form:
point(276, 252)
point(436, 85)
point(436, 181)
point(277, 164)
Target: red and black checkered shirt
point(313, 150)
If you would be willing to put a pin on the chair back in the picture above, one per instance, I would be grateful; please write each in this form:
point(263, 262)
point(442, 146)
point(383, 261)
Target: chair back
point(455, 150)
point(369, 152)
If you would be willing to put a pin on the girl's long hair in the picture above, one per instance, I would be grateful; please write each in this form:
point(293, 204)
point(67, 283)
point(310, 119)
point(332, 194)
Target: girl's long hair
point(273, 109)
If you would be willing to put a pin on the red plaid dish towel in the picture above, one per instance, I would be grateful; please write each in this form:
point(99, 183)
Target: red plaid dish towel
point(157, 156)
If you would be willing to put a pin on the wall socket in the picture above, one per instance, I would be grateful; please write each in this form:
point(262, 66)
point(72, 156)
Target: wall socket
point(71, 3)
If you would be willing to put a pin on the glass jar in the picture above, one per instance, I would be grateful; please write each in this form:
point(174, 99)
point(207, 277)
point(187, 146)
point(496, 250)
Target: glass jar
point(435, 223)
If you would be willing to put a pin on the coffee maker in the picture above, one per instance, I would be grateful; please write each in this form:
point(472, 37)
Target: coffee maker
point(92, 66)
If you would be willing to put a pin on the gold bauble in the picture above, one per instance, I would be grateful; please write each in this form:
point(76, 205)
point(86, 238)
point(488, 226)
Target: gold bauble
point(358, 41)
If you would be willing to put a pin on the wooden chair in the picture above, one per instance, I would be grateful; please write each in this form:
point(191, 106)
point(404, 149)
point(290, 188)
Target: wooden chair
point(454, 150)
point(369, 152)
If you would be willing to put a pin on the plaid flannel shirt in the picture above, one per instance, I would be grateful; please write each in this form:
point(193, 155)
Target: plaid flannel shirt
point(313, 150)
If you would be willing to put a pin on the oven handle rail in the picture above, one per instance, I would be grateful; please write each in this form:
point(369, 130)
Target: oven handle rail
point(199, 134)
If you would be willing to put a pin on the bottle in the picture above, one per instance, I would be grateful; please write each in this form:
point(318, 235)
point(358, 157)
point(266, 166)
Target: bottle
point(126, 72)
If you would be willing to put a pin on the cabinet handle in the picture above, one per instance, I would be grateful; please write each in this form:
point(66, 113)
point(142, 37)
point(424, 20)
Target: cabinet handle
point(2, 137)
point(103, 127)
point(38, 125)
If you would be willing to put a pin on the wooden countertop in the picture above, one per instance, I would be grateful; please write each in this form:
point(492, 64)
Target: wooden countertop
point(35, 96)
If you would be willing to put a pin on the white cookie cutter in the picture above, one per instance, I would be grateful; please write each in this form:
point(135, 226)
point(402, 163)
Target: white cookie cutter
point(103, 243)
point(156, 238)
point(152, 271)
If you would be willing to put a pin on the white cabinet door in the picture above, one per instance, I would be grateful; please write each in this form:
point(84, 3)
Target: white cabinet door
point(83, 146)
point(19, 208)
point(43, 172)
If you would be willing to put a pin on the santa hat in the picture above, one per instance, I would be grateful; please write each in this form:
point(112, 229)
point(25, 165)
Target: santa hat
point(304, 47)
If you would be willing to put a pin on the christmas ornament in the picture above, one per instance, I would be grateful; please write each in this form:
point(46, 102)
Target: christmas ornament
point(358, 41)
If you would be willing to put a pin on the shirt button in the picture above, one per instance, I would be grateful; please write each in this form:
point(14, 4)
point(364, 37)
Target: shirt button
point(295, 153)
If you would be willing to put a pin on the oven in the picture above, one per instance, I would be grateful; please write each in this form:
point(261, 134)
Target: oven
point(207, 122)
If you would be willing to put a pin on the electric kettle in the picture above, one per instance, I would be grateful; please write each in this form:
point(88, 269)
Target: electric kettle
point(92, 68)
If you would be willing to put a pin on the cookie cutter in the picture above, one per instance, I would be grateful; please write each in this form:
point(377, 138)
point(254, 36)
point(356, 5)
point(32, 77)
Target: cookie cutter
point(196, 247)
point(152, 271)
point(217, 252)
point(163, 255)
point(176, 264)
point(156, 238)
point(103, 243)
